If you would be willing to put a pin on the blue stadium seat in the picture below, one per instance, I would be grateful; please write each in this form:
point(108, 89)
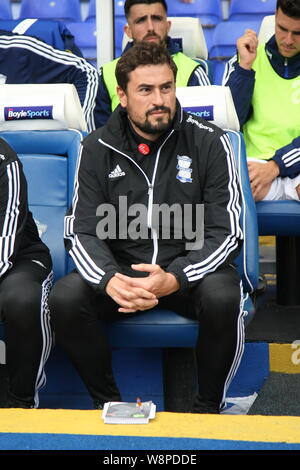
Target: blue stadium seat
point(282, 220)
point(91, 13)
point(120, 22)
point(49, 160)
point(249, 11)
point(119, 7)
point(118, 10)
point(67, 10)
point(52, 32)
point(5, 10)
point(84, 33)
point(225, 36)
point(209, 12)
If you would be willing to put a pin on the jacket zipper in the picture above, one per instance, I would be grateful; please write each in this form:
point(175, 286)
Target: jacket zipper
point(150, 191)
point(286, 70)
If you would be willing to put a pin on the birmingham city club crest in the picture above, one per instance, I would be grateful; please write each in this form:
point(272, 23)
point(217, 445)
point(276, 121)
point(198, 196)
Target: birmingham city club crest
point(184, 174)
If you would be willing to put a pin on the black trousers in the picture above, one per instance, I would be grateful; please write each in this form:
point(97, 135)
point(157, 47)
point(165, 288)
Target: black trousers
point(24, 291)
point(215, 302)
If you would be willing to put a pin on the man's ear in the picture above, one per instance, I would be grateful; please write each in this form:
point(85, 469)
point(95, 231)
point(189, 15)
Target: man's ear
point(122, 96)
point(127, 31)
point(169, 25)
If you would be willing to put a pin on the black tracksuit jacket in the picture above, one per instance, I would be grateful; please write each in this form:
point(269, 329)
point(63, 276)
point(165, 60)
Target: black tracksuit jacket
point(19, 238)
point(110, 167)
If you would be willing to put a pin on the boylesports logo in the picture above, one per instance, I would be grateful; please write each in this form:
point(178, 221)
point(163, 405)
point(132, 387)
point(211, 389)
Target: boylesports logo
point(204, 112)
point(16, 113)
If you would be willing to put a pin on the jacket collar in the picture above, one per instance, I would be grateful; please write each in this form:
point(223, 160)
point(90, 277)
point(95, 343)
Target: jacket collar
point(285, 67)
point(114, 132)
point(173, 46)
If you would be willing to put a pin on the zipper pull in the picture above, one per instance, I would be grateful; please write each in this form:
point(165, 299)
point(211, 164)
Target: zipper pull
point(150, 187)
point(286, 70)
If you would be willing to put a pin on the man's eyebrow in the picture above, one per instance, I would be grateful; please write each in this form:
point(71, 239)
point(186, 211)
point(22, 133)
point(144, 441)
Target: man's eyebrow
point(148, 85)
point(142, 18)
point(286, 29)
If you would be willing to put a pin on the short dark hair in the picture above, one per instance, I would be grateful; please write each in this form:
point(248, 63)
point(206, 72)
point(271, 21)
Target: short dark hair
point(130, 3)
point(289, 7)
point(142, 53)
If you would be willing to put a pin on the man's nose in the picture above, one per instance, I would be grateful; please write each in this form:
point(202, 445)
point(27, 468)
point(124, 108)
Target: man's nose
point(289, 38)
point(150, 24)
point(158, 97)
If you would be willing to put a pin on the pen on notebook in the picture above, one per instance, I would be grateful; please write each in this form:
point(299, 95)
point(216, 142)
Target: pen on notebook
point(139, 403)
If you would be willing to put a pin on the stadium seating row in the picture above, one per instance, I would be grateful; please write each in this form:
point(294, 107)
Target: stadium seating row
point(210, 12)
point(219, 31)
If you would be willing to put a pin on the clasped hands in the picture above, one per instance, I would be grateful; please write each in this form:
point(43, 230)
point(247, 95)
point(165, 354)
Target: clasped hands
point(141, 293)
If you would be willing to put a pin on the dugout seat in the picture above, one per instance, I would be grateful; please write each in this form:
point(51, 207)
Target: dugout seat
point(5, 10)
point(239, 10)
point(67, 10)
point(50, 157)
point(52, 32)
point(225, 35)
point(85, 35)
point(209, 13)
point(186, 32)
point(282, 220)
point(267, 28)
point(48, 150)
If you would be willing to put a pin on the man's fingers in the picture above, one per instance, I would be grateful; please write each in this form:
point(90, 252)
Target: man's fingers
point(148, 268)
point(135, 305)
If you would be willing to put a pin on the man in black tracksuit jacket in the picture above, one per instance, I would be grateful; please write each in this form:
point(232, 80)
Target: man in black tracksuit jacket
point(179, 160)
point(25, 281)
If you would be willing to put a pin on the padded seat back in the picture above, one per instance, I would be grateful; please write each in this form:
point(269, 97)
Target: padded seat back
point(188, 34)
point(49, 160)
point(240, 10)
point(68, 10)
point(215, 104)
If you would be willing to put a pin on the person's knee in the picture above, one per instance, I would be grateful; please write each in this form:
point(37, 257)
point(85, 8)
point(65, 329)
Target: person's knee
point(66, 299)
point(220, 298)
point(23, 304)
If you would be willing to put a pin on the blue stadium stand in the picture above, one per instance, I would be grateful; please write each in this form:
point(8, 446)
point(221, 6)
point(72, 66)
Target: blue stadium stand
point(118, 10)
point(118, 6)
point(85, 35)
point(53, 32)
point(91, 11)
point(209, 12)
point(282, 219)
point(240, 10)
point(120, 22)
point(187, 32)
point(49, 158)
point(5, 10)
point(67, 10)
point(225, 35)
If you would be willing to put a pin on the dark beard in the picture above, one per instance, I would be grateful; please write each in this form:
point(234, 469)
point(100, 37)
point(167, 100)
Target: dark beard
point(154, 129)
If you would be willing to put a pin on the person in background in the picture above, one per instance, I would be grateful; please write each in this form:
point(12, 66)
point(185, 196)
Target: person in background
point(27, 59)
point(152, 153)
point(25, 281)
point(264, 81)
point(147, 21)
